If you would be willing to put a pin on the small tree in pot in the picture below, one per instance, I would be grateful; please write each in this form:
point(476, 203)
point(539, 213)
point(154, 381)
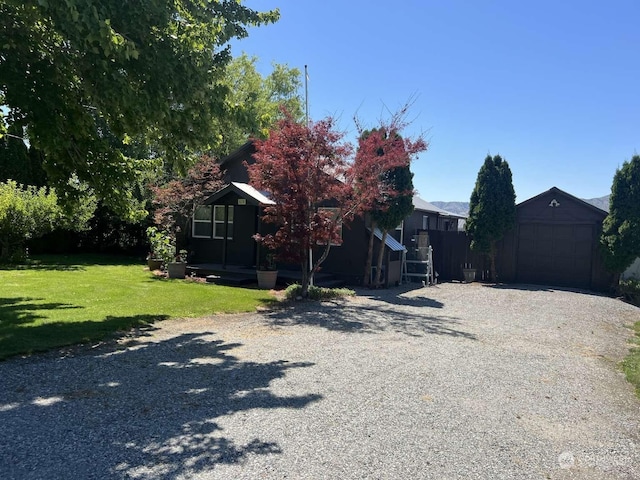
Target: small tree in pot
point(163, 248)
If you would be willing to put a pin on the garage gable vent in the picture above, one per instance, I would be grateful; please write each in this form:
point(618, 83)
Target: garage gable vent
point(554, 203)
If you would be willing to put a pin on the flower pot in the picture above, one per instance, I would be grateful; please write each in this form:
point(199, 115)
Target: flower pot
point(176, 269)
point(154, 264)
point(469, 274)
point(267, 279)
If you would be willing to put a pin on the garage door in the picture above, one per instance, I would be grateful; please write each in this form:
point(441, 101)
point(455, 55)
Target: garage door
point(555, 254)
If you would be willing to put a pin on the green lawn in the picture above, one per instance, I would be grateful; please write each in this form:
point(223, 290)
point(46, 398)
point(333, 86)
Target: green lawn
point(55, 301)
point(631, 364)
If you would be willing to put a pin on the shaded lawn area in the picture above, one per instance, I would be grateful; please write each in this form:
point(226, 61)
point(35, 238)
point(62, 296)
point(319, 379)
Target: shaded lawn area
point(55, 301)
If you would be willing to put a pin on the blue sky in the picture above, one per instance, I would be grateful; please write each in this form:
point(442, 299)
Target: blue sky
point(553, 87)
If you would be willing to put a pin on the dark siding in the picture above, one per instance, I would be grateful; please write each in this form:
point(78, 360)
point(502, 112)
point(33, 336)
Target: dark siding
point(558, 245)
point(235, 170)
point(348, 260)
point(241, 250)
point(451, 252)
point(557, 254)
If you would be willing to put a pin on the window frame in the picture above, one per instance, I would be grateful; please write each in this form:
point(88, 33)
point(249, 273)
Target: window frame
point(195, 221)
point(220, 223)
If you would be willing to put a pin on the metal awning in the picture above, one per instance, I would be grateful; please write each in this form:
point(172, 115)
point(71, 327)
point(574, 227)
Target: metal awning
point(391, 243)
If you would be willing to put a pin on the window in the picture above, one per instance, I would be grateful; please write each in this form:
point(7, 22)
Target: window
point(201, 225)
point(335, 212)
point(425, 222)
point(218, 222)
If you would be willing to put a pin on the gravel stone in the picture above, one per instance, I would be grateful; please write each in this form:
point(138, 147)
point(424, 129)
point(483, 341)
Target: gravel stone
point(447, 382)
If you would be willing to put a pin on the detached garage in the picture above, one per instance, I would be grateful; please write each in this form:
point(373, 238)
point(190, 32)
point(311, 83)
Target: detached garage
point(556, 243)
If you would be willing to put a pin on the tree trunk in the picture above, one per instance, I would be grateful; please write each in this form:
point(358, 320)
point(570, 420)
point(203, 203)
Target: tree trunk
point(308, 273)
point(305, 277)
point(377, 281)
point(367, 267)
point(492, 257)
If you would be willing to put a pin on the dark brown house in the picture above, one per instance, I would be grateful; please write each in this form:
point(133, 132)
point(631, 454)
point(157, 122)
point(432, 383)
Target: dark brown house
point(223, 227)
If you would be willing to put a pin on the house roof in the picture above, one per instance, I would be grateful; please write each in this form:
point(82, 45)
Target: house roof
point(557, 191)
point(424, 206)
point(391, 243)
point(247, 149)
point(243, 190)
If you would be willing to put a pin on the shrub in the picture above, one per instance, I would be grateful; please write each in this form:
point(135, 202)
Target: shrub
point(630, 290)
point(317, 293)
point(28, 212)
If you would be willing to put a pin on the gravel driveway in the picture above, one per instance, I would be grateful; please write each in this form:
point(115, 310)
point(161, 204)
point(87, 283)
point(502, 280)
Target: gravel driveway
point(446, 382)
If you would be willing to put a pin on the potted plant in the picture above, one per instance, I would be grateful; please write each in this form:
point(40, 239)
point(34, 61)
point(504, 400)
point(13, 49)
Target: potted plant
point(162, 248)
point(469, 273)
point(267, 273)
point(178, 267)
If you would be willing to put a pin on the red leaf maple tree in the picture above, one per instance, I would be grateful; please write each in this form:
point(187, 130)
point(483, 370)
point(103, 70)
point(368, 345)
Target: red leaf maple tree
point(301, 168)
point(379, 152)
point(177, 200)
point(307, 168)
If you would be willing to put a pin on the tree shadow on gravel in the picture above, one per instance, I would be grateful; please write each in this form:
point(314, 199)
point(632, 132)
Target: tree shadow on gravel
point(369, 318)
point(529, 287)
point(396, 295)
point(145, 409)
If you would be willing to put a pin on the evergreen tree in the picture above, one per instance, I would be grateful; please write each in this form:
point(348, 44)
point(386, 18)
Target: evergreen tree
point(492, 208)
point(621, 229)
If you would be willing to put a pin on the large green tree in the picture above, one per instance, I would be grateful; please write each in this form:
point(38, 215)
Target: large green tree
point(83, 79)
point(20, 162)
point(492, 208)
point(621, 229)
point(255, 102)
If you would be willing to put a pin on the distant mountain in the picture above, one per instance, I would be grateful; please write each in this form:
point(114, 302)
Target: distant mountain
point(600, 202)
point(462, 208)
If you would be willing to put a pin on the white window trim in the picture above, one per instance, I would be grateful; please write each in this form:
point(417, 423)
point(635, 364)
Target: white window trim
point(221, 224)
point(194, 221)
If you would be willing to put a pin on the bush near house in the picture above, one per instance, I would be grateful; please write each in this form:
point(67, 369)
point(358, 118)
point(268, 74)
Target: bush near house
point(630, 290)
